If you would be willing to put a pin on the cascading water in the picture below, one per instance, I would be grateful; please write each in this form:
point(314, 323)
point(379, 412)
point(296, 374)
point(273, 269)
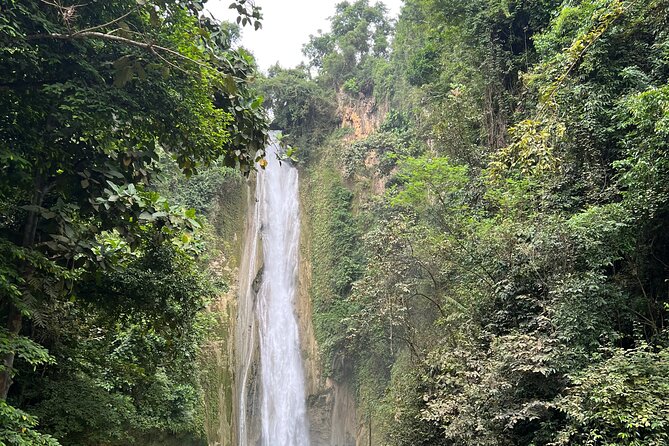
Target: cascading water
point(282, 396)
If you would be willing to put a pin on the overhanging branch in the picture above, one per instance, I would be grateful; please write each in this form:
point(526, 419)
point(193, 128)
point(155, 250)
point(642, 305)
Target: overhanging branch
point(153, 48)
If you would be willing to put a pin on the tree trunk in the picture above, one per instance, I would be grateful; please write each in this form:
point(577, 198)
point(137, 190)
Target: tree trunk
point(13, 327)
point(369, 442)
point(14, 315)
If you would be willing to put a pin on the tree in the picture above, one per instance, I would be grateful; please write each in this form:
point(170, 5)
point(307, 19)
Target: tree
point(92, 96)
point(359, 35)
point(300, 106)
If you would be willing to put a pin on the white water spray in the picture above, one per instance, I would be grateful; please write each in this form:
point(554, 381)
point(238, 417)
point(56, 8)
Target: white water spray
point(276, 221)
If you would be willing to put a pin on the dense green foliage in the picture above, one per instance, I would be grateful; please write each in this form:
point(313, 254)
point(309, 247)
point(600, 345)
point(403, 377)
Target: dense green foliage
point(489, 267)
point(101, 280)
point(509, 223)
point(349, 53)
point(336, 256)
point(302, 108)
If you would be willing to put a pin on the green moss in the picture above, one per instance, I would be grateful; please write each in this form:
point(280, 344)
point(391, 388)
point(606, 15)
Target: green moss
point(335, 250)
point(226, 216)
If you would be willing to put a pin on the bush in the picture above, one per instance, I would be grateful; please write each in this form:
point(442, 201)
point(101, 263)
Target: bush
point(621, 400)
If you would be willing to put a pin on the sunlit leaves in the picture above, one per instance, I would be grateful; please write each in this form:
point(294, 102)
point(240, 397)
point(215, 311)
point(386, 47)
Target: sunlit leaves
point(31, 352)
point(622, 399)
point(359, 34)
point(431, 182)
point(17, 428)
point(93, 96)
point(532, 151)
point(603, 14)
point(542, 236)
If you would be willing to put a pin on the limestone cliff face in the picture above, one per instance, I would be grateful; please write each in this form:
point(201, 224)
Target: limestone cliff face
point(217, 376)
point(363, 115)
point(330, 405)
point(246, 344)
point(334, 417)
point(316, 394)
point(217, 355)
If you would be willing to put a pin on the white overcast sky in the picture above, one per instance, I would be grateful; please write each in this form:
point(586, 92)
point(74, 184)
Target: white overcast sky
point(286, 26)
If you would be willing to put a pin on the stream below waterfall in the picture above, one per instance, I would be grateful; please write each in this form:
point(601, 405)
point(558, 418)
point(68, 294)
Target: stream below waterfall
point(272, 406)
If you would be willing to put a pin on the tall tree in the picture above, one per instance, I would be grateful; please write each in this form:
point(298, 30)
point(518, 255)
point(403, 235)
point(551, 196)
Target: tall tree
point(360, 31)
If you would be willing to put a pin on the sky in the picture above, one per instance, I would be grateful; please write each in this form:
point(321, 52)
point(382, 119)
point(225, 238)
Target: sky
point(286, 26)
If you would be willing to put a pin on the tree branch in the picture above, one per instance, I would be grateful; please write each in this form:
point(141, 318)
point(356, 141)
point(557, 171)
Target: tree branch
point(118, 39)
point(436, 304)
point(106, 24)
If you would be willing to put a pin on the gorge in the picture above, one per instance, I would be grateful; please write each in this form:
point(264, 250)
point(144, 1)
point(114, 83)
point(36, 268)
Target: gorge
point(460, 239)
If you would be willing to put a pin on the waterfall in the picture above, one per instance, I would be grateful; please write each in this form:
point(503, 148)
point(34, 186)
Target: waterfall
point(275, 221)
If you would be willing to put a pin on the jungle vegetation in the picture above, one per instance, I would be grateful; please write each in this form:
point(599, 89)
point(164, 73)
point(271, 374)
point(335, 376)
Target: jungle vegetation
point(103, 276)
point(491, 264)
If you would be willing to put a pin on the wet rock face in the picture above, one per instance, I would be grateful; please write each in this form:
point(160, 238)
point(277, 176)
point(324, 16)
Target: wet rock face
point(330, 405)
point(245, 344)
point(319, 408)
point(217, 356)
point(332, 416)
point(257, 282)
